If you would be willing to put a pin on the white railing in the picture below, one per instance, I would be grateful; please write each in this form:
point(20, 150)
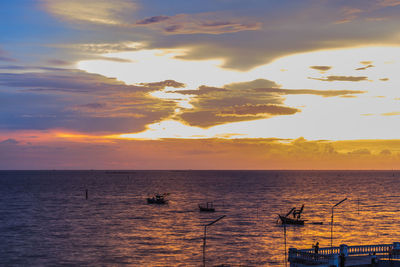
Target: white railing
point(306, 257)
point(323, 251)
point(329, 256)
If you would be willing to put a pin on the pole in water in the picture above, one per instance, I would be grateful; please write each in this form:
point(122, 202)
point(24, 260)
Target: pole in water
point(86, 194)
point(284, 234)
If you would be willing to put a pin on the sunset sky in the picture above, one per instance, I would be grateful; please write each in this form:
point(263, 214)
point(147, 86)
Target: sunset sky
point(218, 84)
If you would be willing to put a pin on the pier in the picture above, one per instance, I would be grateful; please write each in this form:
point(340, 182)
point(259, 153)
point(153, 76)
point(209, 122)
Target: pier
point(386, 254)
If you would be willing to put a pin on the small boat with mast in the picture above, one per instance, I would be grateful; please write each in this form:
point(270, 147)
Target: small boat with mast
point(296, 213)
point(208, 207)
point(158, 199)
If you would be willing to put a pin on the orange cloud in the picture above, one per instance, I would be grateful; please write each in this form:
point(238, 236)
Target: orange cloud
point(96, 12)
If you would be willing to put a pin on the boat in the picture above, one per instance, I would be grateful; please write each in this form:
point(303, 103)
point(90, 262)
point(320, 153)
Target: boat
point(296, 217)
point(158, 199)
point(286, 220)
point(209, 207)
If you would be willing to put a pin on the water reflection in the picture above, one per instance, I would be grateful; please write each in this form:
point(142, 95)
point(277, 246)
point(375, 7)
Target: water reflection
point(45, 219)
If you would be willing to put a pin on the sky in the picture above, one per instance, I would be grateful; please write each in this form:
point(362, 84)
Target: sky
point(211, 84)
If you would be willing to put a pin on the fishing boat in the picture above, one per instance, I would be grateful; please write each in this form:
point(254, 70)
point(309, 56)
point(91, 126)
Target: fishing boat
point(158, 199)
point(209, 207)
point(296, 213)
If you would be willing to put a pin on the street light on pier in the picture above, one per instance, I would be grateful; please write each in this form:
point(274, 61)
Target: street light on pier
point(337, 204)
point(205, 237)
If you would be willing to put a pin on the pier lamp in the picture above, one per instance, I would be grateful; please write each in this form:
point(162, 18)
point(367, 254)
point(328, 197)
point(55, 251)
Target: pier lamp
point(205, 236)
point(337, 204)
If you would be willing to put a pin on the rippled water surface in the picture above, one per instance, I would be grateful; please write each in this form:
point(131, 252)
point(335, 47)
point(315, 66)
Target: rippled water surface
point(45, 219)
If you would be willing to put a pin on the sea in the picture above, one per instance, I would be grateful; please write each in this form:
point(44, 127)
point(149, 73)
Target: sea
point(46, 220)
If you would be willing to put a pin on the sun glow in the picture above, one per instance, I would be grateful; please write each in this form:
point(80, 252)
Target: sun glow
point(372, 114)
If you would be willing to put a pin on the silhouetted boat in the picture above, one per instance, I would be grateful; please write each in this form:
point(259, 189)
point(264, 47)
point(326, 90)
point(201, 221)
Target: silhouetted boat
point(296, 217)
point(209, 207)
point(157, 199)
point(286, 220)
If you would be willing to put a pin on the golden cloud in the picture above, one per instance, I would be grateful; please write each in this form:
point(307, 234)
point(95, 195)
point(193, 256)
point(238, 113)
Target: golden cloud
point(90, 11)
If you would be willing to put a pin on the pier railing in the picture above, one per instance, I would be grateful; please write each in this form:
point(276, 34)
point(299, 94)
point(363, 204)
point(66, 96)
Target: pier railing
point(329, 256)
point(369, 249)
point(305, 257)
point(323, 251)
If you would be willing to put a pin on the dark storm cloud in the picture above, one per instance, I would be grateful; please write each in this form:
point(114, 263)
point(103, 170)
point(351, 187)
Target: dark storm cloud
point(77, 101)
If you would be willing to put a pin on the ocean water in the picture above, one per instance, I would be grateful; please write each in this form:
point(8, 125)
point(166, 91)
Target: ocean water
point(46, 221)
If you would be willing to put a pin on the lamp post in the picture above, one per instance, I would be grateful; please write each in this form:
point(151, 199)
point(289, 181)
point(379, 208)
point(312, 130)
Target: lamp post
point(205, 237)
point(337, 204)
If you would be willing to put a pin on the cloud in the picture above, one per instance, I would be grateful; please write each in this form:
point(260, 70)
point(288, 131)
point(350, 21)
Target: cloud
point(163, 84)
point(389, 3)
point(235, 102)
point(202, 90)
point(267, 86)
point(259, 83)
point(213, 106)
point(92, 106)
point(65, 81)
point(395, 113)
point(77, 101)
point(118, 13)
point(366, 67)
point(342, 78)
point(9, 141)
point(362, 151)
point(59, 62)
point(321, 68)
point(212, 117)
point(5, 57)
point(151, 20)
point(103, 48)
point(384, 79)
point(101, 12)
point(385, 152)
point(259, 109)
point(348, 14)
point(204, 23)
point(244, 101)
point(366, 62)
point(324, 93)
